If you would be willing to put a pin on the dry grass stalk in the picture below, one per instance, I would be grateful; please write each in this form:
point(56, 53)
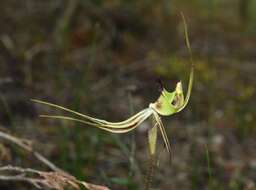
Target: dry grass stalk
point(55, 179)
point(41, 179)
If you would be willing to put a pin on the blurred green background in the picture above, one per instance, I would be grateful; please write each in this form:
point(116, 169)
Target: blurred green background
point(103, 58)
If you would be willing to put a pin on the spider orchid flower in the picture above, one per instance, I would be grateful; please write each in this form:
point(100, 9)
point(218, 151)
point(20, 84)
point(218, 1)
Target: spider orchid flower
point(167, 104)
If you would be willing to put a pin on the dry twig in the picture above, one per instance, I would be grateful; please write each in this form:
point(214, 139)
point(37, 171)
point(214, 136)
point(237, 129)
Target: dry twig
point(40, 179)
point(56, 179)
point(27, 145)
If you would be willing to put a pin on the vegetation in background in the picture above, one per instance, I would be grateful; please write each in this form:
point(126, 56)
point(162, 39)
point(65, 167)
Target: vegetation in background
point(84, 53)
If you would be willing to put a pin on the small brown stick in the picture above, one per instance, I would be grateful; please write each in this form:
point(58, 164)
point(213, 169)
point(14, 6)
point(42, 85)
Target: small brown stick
point(26, 145)
point(40, 179)
point(57, 179)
